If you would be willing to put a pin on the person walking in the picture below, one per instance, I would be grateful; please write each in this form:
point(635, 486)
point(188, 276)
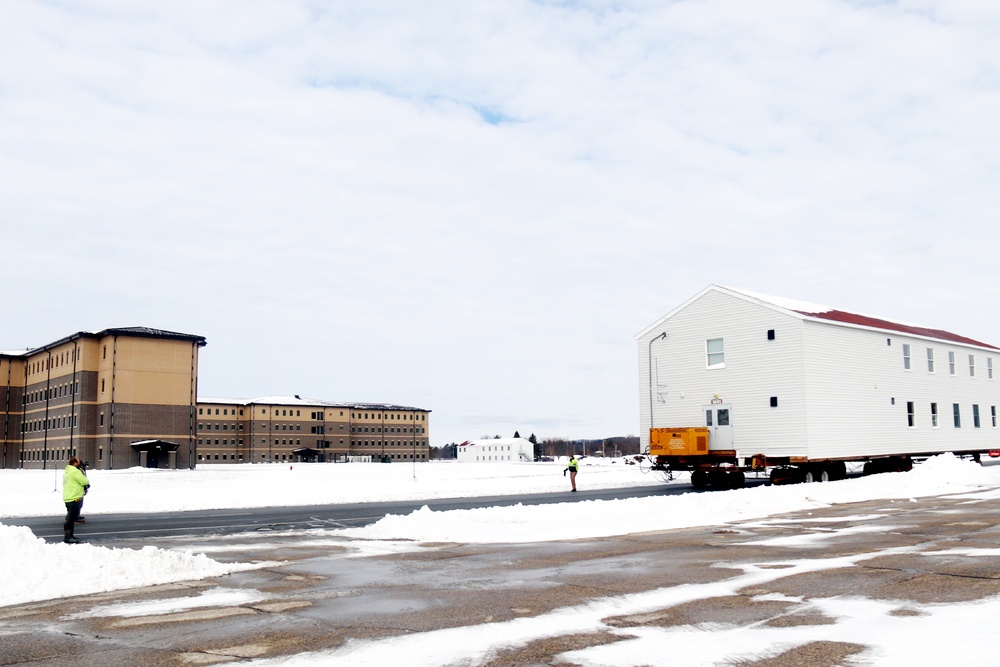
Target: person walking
point(74, 485)
point(572, 468)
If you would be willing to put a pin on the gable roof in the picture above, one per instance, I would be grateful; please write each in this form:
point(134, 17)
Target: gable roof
point(815, 312)
point(134, 332)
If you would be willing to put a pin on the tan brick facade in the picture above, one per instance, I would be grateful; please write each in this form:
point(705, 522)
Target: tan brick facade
point(119, 398)
point(94, 395)
point(291, 429)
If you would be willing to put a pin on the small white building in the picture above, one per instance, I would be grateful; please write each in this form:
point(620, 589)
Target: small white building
point(791, 379)
point(507, 450)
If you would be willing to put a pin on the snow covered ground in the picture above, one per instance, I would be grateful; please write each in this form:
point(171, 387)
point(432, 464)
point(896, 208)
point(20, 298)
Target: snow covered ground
point(33, 493)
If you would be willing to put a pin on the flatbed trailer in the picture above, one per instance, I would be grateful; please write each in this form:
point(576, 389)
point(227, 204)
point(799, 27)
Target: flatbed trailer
point(689, 449)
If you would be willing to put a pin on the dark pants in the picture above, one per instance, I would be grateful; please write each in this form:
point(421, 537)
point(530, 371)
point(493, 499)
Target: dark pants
point(72, 514)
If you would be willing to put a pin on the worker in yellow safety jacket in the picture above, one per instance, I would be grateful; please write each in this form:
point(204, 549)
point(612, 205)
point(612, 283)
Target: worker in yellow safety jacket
point(74, 486)
point(572, 468)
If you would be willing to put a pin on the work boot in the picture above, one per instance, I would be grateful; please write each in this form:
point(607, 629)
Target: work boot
point(71, 540)
point(81, 520)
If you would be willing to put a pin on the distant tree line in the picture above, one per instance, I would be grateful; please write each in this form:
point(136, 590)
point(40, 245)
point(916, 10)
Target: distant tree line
point(623, 445)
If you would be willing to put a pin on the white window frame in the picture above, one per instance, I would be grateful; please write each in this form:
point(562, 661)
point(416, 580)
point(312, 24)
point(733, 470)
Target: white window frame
point(934, 415)
point(989, 368)
point(719, 354)
point(906, 356)
point(951, 363)
point(930, 360)
point(972, 365)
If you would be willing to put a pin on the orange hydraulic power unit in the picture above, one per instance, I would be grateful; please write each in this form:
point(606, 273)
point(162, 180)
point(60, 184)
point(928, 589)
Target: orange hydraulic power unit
point(687, 441)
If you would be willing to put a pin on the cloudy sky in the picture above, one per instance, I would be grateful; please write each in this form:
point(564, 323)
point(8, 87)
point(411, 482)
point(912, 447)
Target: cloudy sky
point(473, 207)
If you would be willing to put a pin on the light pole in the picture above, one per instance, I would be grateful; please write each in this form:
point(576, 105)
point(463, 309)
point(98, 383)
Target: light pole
point(650, 362)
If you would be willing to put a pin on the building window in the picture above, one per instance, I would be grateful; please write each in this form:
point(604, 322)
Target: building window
point(957, 415)
point(930, 360)
point(972, 365)
point(716, 351)
point(993, 415)
point(975, 415)
point(951, 363)
point(989, 368)
point(909, 414)
point(906, 356)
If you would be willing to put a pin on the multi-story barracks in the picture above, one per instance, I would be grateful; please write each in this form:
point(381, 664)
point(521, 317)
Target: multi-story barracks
point(116, 398)
point(291, 428)
point(121, 398)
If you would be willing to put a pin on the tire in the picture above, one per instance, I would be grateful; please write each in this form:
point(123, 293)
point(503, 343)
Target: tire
point(823, 474)
point(737, 479)
point(809, 477)
point(718, 479)
point(781, 476)
point(699, 479)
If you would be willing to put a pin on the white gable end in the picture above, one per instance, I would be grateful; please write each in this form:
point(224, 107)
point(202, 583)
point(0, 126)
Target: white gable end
point(793, 384)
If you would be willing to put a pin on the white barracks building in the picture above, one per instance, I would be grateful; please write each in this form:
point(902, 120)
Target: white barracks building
point(791, 379)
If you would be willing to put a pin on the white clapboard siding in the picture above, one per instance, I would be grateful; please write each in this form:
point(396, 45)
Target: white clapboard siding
point(841, 389)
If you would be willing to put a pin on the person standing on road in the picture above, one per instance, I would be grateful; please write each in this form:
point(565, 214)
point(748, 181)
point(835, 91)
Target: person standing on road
point(86, 487)
point(74, 485)
point(573, 466)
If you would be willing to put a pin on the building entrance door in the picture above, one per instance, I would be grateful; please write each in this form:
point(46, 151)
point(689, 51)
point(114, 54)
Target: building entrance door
point(718, 419)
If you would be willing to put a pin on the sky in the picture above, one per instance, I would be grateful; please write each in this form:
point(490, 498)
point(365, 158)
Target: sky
point(472, 208)
point(891, 637)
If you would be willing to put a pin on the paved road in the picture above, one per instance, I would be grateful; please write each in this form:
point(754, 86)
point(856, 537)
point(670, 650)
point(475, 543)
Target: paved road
point(106, 528)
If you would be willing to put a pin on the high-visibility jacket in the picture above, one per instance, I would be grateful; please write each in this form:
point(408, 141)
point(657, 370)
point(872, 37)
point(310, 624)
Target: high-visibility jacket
point(73, 482)
point(573, 464)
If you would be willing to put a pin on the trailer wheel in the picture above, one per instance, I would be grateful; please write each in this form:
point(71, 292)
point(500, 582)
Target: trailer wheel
point(784, 476)
point(809, 477)
point(823, 474)
point(838, 470)
point(718, 479)
point(699, 479)
point(737, 479)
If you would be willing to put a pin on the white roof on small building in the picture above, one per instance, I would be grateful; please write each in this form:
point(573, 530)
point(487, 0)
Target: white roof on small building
point(516, 442)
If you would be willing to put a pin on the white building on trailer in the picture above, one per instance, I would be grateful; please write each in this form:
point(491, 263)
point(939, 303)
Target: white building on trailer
point(808, 383)
point(507, 450)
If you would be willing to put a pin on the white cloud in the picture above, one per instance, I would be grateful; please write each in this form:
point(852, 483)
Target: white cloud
point(475, 195)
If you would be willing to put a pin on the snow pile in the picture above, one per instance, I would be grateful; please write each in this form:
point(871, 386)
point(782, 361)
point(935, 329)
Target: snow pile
point(69, 570)
point(146, 491)
point(941, 475)
point(59, 570)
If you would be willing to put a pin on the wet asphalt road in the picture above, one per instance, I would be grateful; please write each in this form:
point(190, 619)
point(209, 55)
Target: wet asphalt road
point(321, 597)
point(106, 529)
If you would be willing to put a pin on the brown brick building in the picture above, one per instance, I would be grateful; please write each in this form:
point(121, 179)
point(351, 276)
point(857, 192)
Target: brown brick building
point(291, 428)
point(116, 398)
point(121, 398)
